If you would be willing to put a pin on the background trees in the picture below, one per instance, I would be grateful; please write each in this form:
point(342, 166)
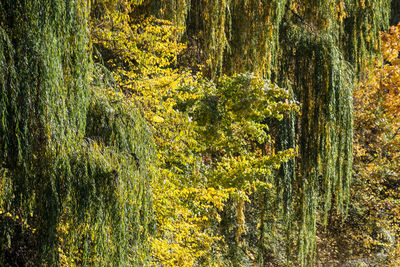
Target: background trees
point(377, 152)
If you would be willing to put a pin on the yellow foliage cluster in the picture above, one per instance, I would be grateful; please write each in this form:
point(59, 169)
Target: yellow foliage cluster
point(197, 171)
point(377, 152)
point(143, 63)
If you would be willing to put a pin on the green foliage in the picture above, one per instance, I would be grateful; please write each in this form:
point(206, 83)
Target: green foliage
point(322, 71)
point(370, 232)
point(233, 116)
point(324, 87)
point(75, 162)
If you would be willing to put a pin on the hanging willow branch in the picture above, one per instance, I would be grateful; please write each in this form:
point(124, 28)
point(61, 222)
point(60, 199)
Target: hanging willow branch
point(80, 202)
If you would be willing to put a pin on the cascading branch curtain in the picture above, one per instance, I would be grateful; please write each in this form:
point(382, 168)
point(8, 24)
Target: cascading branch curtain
point(325, 45)
point(75, 154)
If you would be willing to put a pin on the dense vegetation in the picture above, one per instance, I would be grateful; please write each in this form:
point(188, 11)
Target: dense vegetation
point(199, 132)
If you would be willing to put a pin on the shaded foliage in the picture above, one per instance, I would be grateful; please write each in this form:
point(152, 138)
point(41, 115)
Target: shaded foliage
point(75, 183)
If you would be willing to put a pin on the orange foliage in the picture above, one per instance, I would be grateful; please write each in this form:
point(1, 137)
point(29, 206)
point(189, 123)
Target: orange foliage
point(377, 153)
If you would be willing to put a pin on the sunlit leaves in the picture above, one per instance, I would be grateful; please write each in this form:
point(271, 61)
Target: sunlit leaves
point(193, 182)
point(377, 151)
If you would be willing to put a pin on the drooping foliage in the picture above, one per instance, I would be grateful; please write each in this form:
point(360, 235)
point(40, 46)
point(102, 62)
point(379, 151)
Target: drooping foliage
point(323, 83)
point(330, 43)
point(369, 234)
point(75, 154)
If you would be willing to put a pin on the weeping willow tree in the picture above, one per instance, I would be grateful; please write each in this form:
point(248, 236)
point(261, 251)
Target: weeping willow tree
point(330, 43)
point(75, 155)
point(317, 50)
